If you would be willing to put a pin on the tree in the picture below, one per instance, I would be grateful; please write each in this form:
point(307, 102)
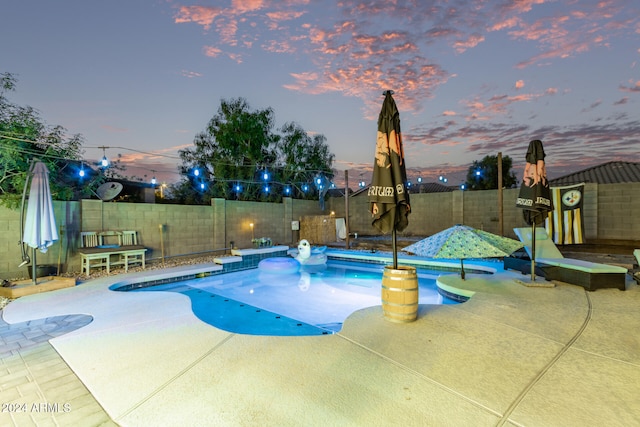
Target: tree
point(241, 156)
point(483, 175)
point(24, 136)
point(304, 158)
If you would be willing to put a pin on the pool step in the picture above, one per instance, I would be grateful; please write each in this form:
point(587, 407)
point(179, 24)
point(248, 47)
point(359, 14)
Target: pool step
point(227, 259)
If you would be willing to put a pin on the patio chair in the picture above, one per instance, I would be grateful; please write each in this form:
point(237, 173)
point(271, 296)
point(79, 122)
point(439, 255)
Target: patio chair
point(89, 239)
point(554, 266)
point(89, 249)
point(130, 251)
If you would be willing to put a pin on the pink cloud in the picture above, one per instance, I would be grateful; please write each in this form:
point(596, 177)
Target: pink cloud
point(472, 41)
point(244, 6)
point(519, 84)
point(211, 51)
point(285, 15)
point(633, 87)
point(201, 15)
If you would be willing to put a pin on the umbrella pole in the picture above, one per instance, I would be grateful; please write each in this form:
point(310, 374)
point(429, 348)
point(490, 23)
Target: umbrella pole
point(394, 248)
point(533, 251)
point(462, 268)
point(33, 266)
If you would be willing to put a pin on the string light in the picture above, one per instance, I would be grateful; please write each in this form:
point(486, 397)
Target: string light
point(104, 162)
point(287, 189)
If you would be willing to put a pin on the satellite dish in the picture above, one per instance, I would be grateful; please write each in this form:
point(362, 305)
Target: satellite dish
point(108, 191)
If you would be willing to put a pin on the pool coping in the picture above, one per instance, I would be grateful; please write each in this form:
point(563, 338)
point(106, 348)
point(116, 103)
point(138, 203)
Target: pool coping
point(384, 371)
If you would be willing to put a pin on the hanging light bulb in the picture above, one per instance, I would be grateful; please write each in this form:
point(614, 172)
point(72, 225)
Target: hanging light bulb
point(104, 162)
point(196, 172)
point(81, 172)
point(153, 181)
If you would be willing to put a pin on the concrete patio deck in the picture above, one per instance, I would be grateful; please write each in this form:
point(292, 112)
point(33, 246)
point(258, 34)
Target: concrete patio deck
point(511, 355)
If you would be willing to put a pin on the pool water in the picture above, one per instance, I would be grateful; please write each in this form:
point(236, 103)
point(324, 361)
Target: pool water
point(315, 301)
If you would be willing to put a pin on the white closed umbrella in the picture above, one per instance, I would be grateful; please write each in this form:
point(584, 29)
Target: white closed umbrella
point(40, 231)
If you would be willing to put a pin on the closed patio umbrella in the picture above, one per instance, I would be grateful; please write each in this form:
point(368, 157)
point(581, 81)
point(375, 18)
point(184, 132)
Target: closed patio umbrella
point(463, 242)
point(535, 195)
point(388, 197)
point(40, 230)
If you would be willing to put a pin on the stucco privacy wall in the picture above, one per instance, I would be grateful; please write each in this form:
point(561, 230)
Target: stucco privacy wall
point(169, 230)
point(610, 213)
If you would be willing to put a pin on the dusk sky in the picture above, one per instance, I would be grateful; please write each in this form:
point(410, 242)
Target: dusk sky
point(471, 78)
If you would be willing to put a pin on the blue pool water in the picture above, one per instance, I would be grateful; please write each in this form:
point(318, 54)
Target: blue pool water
point(311, 302)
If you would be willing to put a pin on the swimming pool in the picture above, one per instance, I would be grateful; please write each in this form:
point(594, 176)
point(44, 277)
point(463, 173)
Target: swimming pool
point(311, 302)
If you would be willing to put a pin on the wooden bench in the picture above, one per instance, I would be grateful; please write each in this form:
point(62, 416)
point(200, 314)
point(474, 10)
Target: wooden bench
point(96, 251)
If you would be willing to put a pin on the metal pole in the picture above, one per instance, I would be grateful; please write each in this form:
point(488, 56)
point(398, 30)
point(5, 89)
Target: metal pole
point(533, 251)
point(346, 206)
point(33, 266)
point(500, 208)
point(395, 249)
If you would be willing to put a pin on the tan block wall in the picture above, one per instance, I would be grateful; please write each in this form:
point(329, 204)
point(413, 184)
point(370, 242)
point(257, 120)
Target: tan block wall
point(618, 212)
point(610, 213)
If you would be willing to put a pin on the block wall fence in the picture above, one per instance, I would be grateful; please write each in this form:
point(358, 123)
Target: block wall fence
point(610, 215)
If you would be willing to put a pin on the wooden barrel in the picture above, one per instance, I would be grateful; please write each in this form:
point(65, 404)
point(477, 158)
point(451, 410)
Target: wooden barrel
point(400, 294)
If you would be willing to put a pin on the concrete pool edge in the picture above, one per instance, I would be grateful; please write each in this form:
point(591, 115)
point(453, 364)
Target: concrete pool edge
point(388, 372)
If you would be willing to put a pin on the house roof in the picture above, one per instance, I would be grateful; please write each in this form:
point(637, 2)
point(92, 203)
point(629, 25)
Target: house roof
point(431, 187)
point(606, 173)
